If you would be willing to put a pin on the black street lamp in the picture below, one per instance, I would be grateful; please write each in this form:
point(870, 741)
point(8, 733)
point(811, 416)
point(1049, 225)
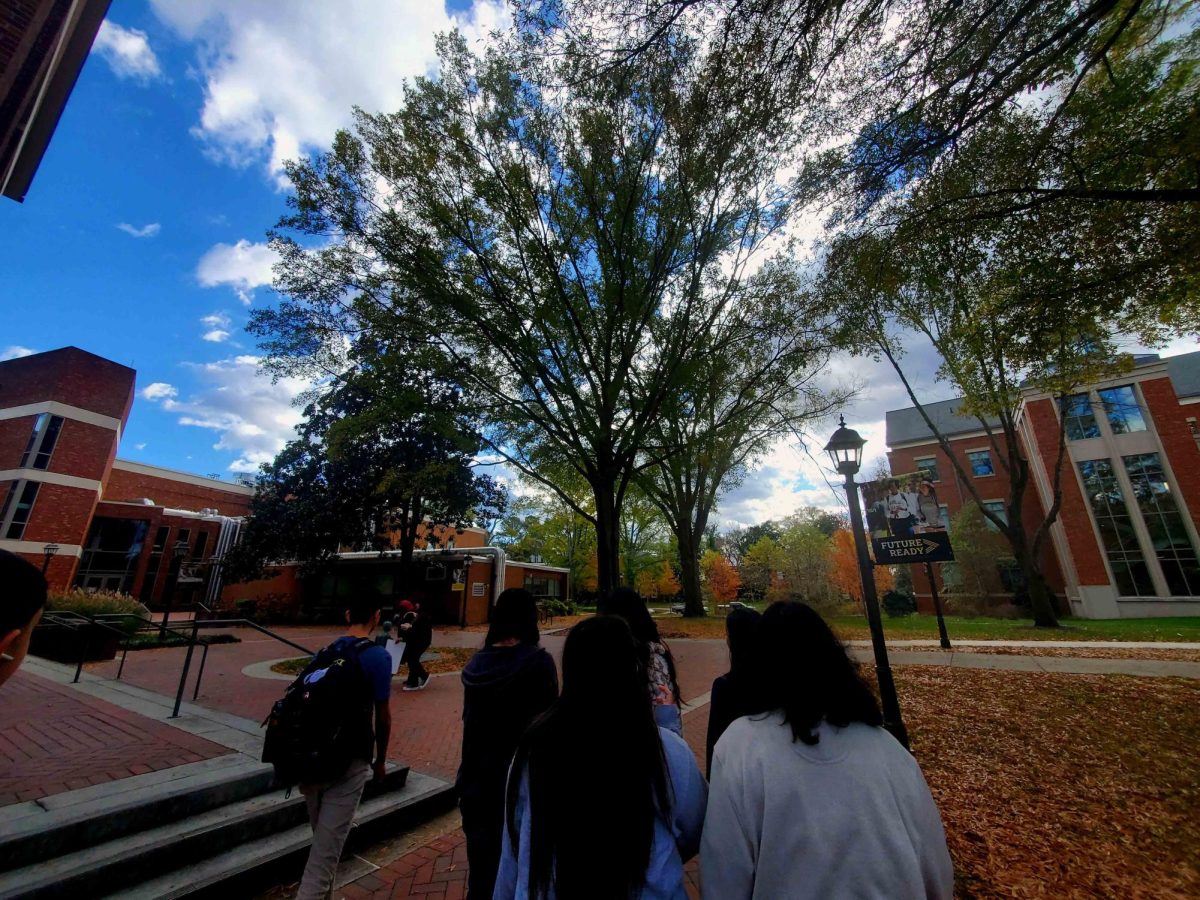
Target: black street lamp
point(845, 449)
point(49, 550)
point(179, 551)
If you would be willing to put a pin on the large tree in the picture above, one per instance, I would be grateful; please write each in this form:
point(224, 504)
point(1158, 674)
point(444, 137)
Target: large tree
point(386, 453)
point(569, 234)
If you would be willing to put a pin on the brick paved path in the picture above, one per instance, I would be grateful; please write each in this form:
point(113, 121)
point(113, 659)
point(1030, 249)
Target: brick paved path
point(54, 739)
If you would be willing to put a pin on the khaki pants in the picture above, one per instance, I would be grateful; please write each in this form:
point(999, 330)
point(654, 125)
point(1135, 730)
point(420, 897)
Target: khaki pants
point(331, 808)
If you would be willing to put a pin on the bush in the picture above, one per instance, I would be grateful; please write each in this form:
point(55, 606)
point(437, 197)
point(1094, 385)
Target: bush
point(555, 607)
point(896, 604)
point(100, 603)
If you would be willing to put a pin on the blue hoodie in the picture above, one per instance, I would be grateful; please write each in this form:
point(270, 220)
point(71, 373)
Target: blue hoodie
point(676, 835)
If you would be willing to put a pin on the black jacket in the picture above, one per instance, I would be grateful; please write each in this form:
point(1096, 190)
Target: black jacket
point(732, 697)
point(504, 689)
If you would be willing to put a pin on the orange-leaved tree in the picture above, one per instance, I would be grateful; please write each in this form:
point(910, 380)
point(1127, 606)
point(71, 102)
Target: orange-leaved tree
point(720, 577)
point(844, 574)
point(667, 584)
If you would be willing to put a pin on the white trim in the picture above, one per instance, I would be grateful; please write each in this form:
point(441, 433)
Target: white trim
point(28, 474)
point(540, 566)
point(932, 439)
point(55, 408)
point(126, 465)
point(36, 548)
point(1186, 401)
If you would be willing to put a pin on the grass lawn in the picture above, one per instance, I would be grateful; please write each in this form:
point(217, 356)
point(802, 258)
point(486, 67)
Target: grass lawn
point(1061, 785)
point(919, 627)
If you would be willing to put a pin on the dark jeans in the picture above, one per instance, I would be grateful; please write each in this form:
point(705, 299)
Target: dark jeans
point(416, 671)
point(483, 826)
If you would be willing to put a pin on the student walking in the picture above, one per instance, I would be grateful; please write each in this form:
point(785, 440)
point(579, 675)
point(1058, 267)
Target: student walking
point(506, 685)
point(417, 629)
point(814, 799)
point(737, 693)
point(347, 685)
point(663, 684)
point(601, 802)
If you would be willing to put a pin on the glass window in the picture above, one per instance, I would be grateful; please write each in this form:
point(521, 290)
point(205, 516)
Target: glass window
point(981, 462)
point(1168, 535)
point(160, 538)
point(997, 507)
point(17, 507)
point(41, 443)
point(1121, 407)
point(1079, 420)
point(1117, 535)
point(944, 511)
point(201, 543)
point(929, 468)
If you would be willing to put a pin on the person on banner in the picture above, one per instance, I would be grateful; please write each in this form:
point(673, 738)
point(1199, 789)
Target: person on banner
point(928, 510)
point(901, 510)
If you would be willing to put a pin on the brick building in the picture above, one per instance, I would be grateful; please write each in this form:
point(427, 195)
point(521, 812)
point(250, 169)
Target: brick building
point(69, 504)
point(43, 46)
point(1125, 541)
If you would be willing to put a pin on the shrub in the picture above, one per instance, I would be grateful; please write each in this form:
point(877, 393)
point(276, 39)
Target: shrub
point(896, 604)
point(100, 603)
point(555, 607)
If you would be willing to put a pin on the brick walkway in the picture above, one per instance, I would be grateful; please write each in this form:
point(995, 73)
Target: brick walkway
point(54, 739)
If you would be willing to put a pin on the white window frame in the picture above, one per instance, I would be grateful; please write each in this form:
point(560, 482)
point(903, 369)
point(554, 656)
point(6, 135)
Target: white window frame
point(933, 459)
point(991, 462)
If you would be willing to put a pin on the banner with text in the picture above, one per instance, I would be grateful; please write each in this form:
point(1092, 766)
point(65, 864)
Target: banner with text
point(905, 520)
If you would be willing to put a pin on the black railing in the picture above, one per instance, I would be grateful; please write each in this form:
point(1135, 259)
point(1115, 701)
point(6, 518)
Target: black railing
point(78, 621)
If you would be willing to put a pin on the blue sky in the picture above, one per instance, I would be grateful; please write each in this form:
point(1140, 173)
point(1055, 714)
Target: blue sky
point(142, 238)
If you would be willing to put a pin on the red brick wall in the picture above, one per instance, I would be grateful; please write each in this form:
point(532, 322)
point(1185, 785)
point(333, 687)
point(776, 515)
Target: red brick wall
point(14, 436)
point(286, 581)
point(69, 376)
point(60, 515)
point(1170, 419)
point(83, 450)
point(131, 486)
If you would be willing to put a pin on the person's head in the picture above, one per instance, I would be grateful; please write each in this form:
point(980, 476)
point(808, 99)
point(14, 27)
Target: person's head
point(741, 634)
point(626, 603)
point(405, 606)
point(893, 486)
point(591, 836)
point(21, 602)
point(807, 674)
point(515, 617)
point(363, 610)
point(925, 487)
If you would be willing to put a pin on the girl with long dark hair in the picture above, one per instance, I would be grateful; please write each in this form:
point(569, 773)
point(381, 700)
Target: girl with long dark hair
point(737, 693)
point(661, 680)
point(506, 685)
point(602, 803)
point(814, 799)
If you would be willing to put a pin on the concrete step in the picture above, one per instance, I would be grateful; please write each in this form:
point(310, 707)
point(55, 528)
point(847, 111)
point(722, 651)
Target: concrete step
point(74, 820)
point(279, 858)
point(138, 856)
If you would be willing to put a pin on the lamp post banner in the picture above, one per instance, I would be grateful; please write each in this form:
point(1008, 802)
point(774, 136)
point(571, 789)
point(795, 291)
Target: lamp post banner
point(904, 519)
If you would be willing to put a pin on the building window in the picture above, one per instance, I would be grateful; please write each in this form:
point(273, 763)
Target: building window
point(542, 585)
point(1079, 421)
point(980, 462)
point(944, 514)
point(17, 506)
point(1117, 535)
point(1168, 535)
point(201, 543)
point(928, 468)
point(46, 429)
point(996, 507)
point(1121, 407)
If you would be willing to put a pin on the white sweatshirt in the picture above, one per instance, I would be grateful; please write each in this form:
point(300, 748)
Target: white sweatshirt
point(849, 817)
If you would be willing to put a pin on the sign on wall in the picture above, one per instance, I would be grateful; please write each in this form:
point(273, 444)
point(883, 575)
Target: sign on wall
point(904, 520)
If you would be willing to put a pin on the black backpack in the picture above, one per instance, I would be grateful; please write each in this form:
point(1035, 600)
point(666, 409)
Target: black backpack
point(323, 721)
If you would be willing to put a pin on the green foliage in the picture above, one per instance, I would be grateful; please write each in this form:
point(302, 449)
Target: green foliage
point(100, 603)
point(978, 549)
point(557, 607)
point(897, 604)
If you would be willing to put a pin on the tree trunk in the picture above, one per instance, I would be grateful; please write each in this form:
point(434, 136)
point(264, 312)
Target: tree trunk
point(1040, 598)
point(689, 574)
point(608, 535)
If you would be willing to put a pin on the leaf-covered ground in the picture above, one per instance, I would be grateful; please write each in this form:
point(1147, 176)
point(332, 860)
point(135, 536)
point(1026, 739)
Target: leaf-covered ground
point(450, 659)
point(1061, 785)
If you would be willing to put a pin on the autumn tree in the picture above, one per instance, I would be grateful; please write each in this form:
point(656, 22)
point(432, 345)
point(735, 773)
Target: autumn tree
point(720, 578)
point(569, 234)
point(761, 566)
point(978, 551)
point(844, 571)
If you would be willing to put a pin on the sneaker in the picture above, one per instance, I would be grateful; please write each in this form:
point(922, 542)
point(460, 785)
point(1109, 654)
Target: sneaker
point(419, 686)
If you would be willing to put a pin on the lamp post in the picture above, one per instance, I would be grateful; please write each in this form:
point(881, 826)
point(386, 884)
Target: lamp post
point(49, 550)
point(845, 449)
point(179, 551)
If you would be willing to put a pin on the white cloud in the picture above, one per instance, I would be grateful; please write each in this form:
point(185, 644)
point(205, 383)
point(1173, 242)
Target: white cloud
point(216, 320)
point(127, 51)
point(159, 390)
point(252, 416)
point(216, 336)
point(242, 266)
point(280, 79)
point(144, 232)
point(141, 446)
point(15, 351)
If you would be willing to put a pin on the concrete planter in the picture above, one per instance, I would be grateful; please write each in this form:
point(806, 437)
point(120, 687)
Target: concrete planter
point(62, 644)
